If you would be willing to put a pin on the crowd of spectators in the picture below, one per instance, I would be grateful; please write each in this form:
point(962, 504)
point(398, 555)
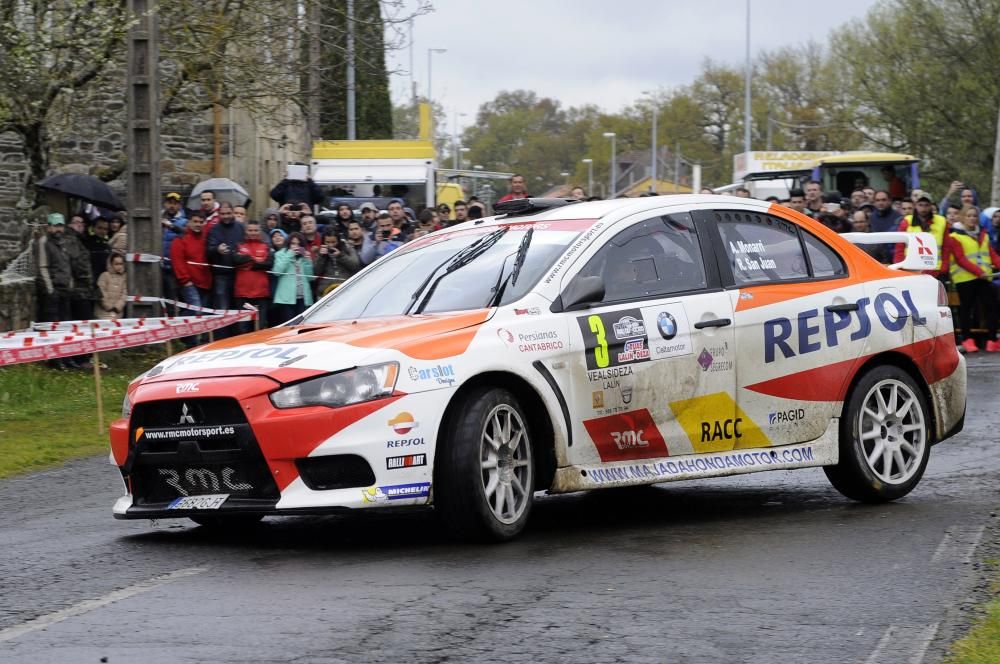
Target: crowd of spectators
point(967, 237)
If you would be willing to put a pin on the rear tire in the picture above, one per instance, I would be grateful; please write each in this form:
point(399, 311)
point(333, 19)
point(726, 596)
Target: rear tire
point(484, 468)
point(884, 437)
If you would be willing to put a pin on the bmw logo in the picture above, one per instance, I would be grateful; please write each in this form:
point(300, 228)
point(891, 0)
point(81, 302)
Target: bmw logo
point(667, 325)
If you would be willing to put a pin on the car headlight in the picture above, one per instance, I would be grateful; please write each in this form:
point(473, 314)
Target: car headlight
point(340, 389)
point(126, 407)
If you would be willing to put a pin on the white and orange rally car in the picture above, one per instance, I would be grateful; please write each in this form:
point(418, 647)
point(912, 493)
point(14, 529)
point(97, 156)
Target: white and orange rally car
point(561, 347)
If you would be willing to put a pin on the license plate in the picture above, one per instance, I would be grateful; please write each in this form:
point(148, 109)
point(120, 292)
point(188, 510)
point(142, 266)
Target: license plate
point(211, 501)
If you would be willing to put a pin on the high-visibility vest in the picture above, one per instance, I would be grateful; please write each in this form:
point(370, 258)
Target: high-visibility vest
point(938, 226)
point(977, 252)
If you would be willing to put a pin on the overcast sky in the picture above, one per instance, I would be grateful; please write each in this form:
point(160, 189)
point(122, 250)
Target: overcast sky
point(602, 52)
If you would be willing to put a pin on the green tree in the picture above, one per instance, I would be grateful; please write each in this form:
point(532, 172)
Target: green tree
point(49, 51)
point(923, 74)
point(373, 106)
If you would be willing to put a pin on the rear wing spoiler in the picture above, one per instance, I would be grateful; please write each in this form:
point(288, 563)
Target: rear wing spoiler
point(921, 248)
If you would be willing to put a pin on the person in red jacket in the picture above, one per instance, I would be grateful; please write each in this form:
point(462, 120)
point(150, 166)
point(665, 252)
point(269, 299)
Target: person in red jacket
point(253, 259)
point(187, 255)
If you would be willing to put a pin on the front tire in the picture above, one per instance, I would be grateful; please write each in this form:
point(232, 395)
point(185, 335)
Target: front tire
point(484, 468)
point(884, 439)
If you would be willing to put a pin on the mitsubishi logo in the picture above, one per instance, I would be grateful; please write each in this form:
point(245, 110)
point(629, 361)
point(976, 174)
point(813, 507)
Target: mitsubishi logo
point(185, 417)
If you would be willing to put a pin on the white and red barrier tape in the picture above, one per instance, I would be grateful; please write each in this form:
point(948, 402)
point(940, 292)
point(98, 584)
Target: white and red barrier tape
point(84, 337)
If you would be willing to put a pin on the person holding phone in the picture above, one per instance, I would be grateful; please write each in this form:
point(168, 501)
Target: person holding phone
point(294, 268)
point(336, 261)
point(385, 236)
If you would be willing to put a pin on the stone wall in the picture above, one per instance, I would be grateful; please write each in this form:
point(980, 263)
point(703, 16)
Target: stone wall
point(17, 305)
point(88, 136)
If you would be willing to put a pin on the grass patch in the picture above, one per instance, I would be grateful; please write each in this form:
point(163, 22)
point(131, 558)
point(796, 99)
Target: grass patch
point(49, 416)
point(982, 644)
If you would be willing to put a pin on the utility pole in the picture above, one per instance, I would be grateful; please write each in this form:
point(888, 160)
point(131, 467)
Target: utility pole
point(352, 133)
point(314, 18)
point(746, 92)
point(677, 168)
point(143, 148)
point(652, 182)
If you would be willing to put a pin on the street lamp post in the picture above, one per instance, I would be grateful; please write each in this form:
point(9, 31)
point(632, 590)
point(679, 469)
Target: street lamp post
point(590, 175)
point(653, 160)
point(613, 167)
point(430, 52)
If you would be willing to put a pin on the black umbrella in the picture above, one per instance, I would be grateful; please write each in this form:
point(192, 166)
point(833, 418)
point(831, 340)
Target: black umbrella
point(85, 187)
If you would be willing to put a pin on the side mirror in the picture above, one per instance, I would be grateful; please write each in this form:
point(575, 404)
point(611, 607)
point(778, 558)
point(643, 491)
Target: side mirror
point(581, 292)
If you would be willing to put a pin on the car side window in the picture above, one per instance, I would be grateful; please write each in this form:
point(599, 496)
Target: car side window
point(656, 257)
point(760, 247)
point(825, 261)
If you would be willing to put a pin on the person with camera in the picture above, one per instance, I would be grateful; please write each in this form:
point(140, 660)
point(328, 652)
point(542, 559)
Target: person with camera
point(385, 236)
point(294, 267)
point(361, 242)
point(290, 215)
point(335, 262)
point(223, 240)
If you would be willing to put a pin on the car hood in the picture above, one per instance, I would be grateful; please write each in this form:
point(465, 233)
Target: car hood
point(292, 353)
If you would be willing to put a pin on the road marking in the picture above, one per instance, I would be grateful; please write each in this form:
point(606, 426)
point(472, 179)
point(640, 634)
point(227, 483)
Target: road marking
point(42, 622)
point(975, 543)
point(904, 643)
point(924, 643)
point(958, 544)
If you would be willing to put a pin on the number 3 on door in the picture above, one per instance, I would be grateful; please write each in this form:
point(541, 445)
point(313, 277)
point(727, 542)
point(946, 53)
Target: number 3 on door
point(601, 349)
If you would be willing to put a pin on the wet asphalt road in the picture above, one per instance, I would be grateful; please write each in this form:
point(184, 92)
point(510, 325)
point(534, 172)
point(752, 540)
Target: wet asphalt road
point(773, 567)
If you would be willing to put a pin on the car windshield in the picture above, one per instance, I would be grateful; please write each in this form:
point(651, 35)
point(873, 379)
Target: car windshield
point(454, 271)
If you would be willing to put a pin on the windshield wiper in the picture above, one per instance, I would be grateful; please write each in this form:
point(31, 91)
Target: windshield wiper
point(455, 262)
point(522, 251)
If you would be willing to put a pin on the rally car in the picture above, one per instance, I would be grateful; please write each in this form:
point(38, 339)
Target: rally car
point(561, 347)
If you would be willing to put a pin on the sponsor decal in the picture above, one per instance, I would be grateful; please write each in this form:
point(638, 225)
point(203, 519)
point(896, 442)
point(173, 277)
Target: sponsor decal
point(505, 335)
point(674, 333)
point(812, 330)
point(633, 351)
point(606, 374)
point(746, 296)
point(606, 338)
point(545, 340)
point(202, 479)
point(403, 423)
point(530, 311)
point(442, 374)
point(701, 465)
point(255, 352)
point(626, 436)
point(597, 400)
point(709, 359)
point(183, 388)
point(575, 247)
point(786, 416)
point(403, 491)
point(190, 433)
point(667, 325)
point(628, 327)
point(405, 442)
point(715, 422)
point(626, 393)
point(408, 461)
point(373, 494)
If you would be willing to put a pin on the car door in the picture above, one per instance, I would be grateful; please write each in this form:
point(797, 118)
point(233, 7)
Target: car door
point(652, 363)
point(800, 322)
